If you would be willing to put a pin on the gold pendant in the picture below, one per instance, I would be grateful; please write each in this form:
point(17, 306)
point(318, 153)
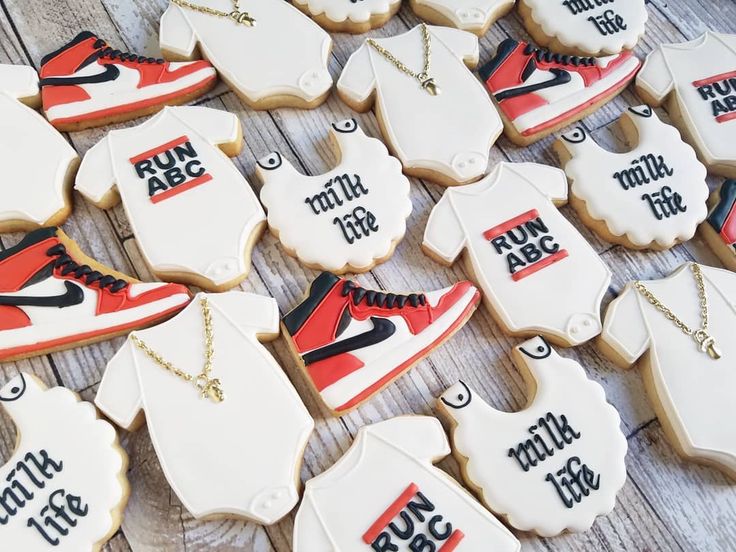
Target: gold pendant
point(209, 387)
point(707, 344)
point(242, 18)
point(430, 86)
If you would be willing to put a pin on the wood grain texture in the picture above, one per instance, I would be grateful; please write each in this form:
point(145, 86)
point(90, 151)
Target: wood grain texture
point(667, 504)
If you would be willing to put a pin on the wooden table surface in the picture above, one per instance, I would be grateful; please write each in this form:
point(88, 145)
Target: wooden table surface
point(666, 504)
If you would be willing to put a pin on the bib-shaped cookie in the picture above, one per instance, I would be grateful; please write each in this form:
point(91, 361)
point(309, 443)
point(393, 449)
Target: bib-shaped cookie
point(691, 392)
point(696, 82)
point(554, 466)
point(720, 228)
point(653, 196)
point(279, 61)
point(238, 458)
point(584, 27)
point(475, 16)
point(349, 16)
point(385, 494)
point(38, 163)
point(346, 220)
point(64, 488)
point(443, 137)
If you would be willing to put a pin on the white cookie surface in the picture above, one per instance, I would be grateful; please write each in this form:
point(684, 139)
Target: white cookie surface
point(339, 11)
point(654, 194)
point(468, 15)
point(347, 218)
point(554, 466)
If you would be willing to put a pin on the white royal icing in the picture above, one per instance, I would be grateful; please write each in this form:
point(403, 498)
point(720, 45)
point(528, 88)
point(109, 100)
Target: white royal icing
point(653, 194)
point(64, 487)
point(450, 133)
point(554, 466)
point(697, 77)
point(695, 391)
point(284, 53)
point(191, 180)
point(468, 15)
point(349, 217)
point(340, 11)
point(236, 458)
point(35, 157)
point(593, 27)
point(511, 231)
point(385, 490)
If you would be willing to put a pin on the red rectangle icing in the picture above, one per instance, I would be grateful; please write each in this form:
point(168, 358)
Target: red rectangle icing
point(160, 149)
point(453, 541)
point(510, 224)
point(726, 117)
point(171, 192)
point(390, 513)
point(539, 265)
point(715, 78)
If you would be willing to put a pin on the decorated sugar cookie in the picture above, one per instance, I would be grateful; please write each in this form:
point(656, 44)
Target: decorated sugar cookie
point(385, 494)
point(53, 296)
point(351, 16)
point(554, 466)
point(585, 27)
point(193, 213)
point(230, 437)
point(695, 82)
point(653, 196)
point(688, 376)
point(36, 188)
point(272, 55)
point(439, 124)
point(353, 342)
point(87, 83)
point(64, 488)
point(719, 230)
point(539, 92)
point(475, 16)
point(346, 220)
point(525, 256)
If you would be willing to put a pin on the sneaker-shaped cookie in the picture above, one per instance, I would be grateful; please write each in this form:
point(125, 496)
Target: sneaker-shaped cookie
point(539, 92)
point(64, 488)
point(346, 220)
point(52, 296)
point(581, 27)
point(384, 494)
point(554, 466)
point(356, 17)
point(720, 228)
point(652, 196)
point(475, 16)
point(353, 342)
point(87, 83)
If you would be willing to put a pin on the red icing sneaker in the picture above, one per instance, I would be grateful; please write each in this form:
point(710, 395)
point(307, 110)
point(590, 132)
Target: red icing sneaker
point(50, 299)
point(86, 83)
point(539, 92)
point(353, 342)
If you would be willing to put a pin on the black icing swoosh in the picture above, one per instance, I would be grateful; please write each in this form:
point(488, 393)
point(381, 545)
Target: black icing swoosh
point(382, 329)
point(561, 77)
point(541, 352)
point(110, 73)
point(72, 296)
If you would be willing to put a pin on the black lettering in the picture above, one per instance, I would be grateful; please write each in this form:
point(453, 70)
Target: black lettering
point(408, 531)
point(194, 169)
point(167, 162)
point(500, 242)
point(422, 544)
point(155, 185)
point(439, 535)
point(143, 167)
point(185, 151)
point(417, 508)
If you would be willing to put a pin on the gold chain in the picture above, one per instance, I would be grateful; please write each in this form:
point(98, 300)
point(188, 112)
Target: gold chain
point(207, 385)
point(424, 79)
point(706, 342)
point(236, 15)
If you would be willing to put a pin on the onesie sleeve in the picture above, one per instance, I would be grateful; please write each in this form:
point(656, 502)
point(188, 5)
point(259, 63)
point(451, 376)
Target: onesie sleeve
point(310, 534)
point(624, 329)
point(550, 181)
point(18, 81)
point(249, 312)
point(176, 35)
point(724, 281)
point(419, 436)
point(655, 77)
point(461, 43)
point(357, 79)
point(218, 126)
point(96, 177)
point(444, 235)
point(119, 395)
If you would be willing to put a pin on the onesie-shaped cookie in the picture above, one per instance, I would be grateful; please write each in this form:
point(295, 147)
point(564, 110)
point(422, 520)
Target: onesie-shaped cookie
point(278, 61)
point(346, 220)
point(696, 82)
point(444, 136)
point(653, 196)
point(38, 164)
point(349, 16)
point(537, 273)
point(194, 215)
point(554, 466)
point(64, 488)
point(584, 27)
point(692, 392)
point(238, 458)
point(385, 494)
point(719, 230)
point(475, 16)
